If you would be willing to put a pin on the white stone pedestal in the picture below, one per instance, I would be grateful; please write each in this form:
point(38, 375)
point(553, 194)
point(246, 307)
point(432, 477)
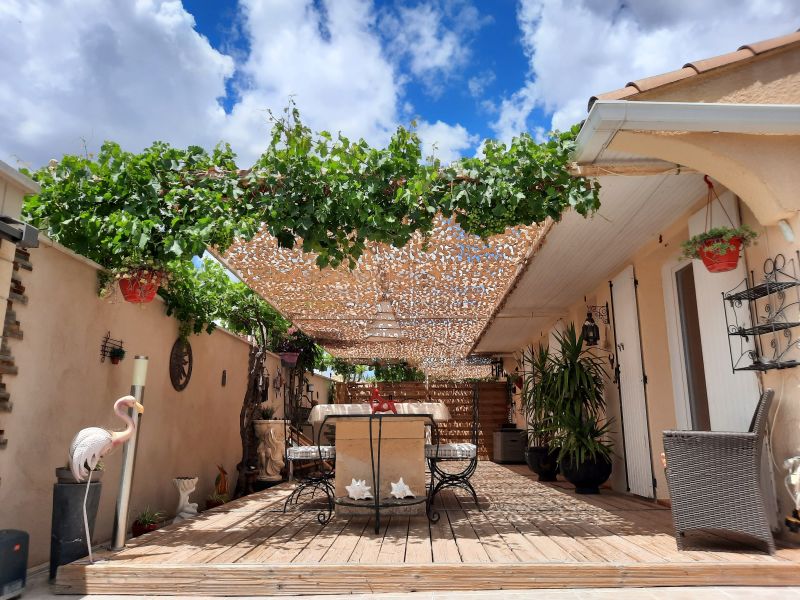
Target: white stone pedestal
point(271, 448)
point(186, 509)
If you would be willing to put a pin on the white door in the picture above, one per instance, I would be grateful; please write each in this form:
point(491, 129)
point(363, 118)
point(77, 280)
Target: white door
point(632, 385)
point(732, 396)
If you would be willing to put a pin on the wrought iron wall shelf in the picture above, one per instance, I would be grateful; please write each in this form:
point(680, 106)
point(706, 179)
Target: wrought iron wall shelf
point(761, 317)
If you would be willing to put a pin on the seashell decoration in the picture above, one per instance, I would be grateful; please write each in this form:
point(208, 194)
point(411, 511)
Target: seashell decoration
point(358, 490)
point(400, 490)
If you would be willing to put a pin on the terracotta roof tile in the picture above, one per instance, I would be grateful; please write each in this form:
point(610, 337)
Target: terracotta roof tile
point(648, 83)
point(619, 94)
point(773, 43)
point(701, 66)
point(698, 67)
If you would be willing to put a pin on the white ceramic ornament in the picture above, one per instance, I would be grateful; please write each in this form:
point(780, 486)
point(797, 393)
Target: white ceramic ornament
point(358, 490)
point(400, 490)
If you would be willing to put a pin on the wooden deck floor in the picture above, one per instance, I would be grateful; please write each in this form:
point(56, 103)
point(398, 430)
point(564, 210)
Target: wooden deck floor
point(526, 535)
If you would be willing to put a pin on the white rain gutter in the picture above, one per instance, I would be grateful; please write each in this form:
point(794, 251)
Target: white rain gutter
point(607, 117)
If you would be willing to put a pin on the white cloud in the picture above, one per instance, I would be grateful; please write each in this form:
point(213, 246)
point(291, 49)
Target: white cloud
point(433, 37)
point(580, 48)
point(97, 70)
point(138, 71)
point(477, 84)
point(331, 62)
point(445, 142)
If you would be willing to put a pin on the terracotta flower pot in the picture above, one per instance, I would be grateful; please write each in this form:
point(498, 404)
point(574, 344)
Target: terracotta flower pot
point(115, 360)
point(719, 263)
point(138, 529)
point(289, 359)
point(141, 286)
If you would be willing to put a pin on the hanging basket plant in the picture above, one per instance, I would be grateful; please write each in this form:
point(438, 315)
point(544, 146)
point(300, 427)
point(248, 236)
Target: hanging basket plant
point(719, 248)
point(140, 286)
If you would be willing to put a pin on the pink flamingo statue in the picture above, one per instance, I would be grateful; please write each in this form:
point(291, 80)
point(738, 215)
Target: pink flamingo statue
point(93, 443)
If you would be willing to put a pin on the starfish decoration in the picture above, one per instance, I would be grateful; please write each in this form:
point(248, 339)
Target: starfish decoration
point(358, 490)
point(381, 404)
point(400, 490)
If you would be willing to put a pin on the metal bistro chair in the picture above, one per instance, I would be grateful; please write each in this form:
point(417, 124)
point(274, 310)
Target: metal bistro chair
point(437, 453)
point(318, 479)
point(715, 481)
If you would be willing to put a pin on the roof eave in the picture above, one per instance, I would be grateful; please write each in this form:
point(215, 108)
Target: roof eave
point(607, 117)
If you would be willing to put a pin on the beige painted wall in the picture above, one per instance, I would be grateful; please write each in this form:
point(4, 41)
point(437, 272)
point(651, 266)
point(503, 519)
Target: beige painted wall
point(63, 387)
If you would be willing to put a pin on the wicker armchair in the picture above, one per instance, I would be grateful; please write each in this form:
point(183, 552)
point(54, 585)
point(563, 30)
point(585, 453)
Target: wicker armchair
point(714, 480)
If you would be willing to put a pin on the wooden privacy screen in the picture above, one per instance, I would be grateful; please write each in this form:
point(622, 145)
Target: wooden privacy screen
point(456, 395)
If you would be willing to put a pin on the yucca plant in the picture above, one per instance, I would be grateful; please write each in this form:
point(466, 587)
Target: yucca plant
point(578, 380)
point(536, 394)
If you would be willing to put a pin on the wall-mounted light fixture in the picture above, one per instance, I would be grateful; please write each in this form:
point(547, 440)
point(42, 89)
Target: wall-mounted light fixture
point(590, 330)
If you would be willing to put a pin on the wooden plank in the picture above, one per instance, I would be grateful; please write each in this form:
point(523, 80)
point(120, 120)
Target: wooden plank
point(393, 549)
point(443, 544)
point(418, 543)
point(341, 550)
point(369, 544)
point(285, 543)
point(493, 543)
point(294, 579)
point(256, 538)
point(322, 542)
point(470, 545)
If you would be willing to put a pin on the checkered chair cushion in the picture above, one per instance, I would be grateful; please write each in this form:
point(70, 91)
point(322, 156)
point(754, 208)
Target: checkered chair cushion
point(310, 452)
point(463, 450)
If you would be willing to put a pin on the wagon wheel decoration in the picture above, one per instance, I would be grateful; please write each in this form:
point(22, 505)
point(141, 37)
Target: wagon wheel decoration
point(180, 364)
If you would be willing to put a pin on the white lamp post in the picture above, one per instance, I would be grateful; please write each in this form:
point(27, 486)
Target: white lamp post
point(129, 458)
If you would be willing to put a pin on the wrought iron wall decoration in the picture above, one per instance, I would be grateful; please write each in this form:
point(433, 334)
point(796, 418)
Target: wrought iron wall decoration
point(600, 312)
point(761, 317)
point(180, 364)
point(109, 345)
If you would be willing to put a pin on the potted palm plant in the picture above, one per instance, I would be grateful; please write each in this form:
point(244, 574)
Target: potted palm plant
point(579, 427)
point(541, 455)
point(719, 247)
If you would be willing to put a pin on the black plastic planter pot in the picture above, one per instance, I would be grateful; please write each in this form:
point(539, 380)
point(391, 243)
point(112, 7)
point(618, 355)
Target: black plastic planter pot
point(588, 476)
point(543, 461)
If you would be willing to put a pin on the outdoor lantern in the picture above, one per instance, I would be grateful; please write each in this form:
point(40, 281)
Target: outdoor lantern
point(590, 331)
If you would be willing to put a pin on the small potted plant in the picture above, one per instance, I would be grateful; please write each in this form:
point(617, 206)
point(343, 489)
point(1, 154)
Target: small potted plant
point(216, 499)
point(139, 280)
point(148, 520)
point(116, 355)
point(288, 348)
point(719, 247)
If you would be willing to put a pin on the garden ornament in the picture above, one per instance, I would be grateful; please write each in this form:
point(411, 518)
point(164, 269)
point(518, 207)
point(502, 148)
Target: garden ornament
point(401, 490)
point(186, 509)
point(93, 443)
point(381, 404)
point(792, 482)
point(358, 490)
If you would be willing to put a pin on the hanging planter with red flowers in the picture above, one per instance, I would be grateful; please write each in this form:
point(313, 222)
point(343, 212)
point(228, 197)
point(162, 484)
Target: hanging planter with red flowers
point(718, 247)
point(140, 286)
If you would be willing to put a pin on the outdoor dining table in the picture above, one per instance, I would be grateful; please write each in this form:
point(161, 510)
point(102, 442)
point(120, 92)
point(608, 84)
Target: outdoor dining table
point(379, 449)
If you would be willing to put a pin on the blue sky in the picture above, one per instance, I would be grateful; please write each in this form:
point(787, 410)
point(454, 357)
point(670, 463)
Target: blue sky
point(199, 71)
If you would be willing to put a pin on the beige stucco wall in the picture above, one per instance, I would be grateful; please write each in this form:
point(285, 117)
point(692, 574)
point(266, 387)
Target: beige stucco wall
point(63, 387)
